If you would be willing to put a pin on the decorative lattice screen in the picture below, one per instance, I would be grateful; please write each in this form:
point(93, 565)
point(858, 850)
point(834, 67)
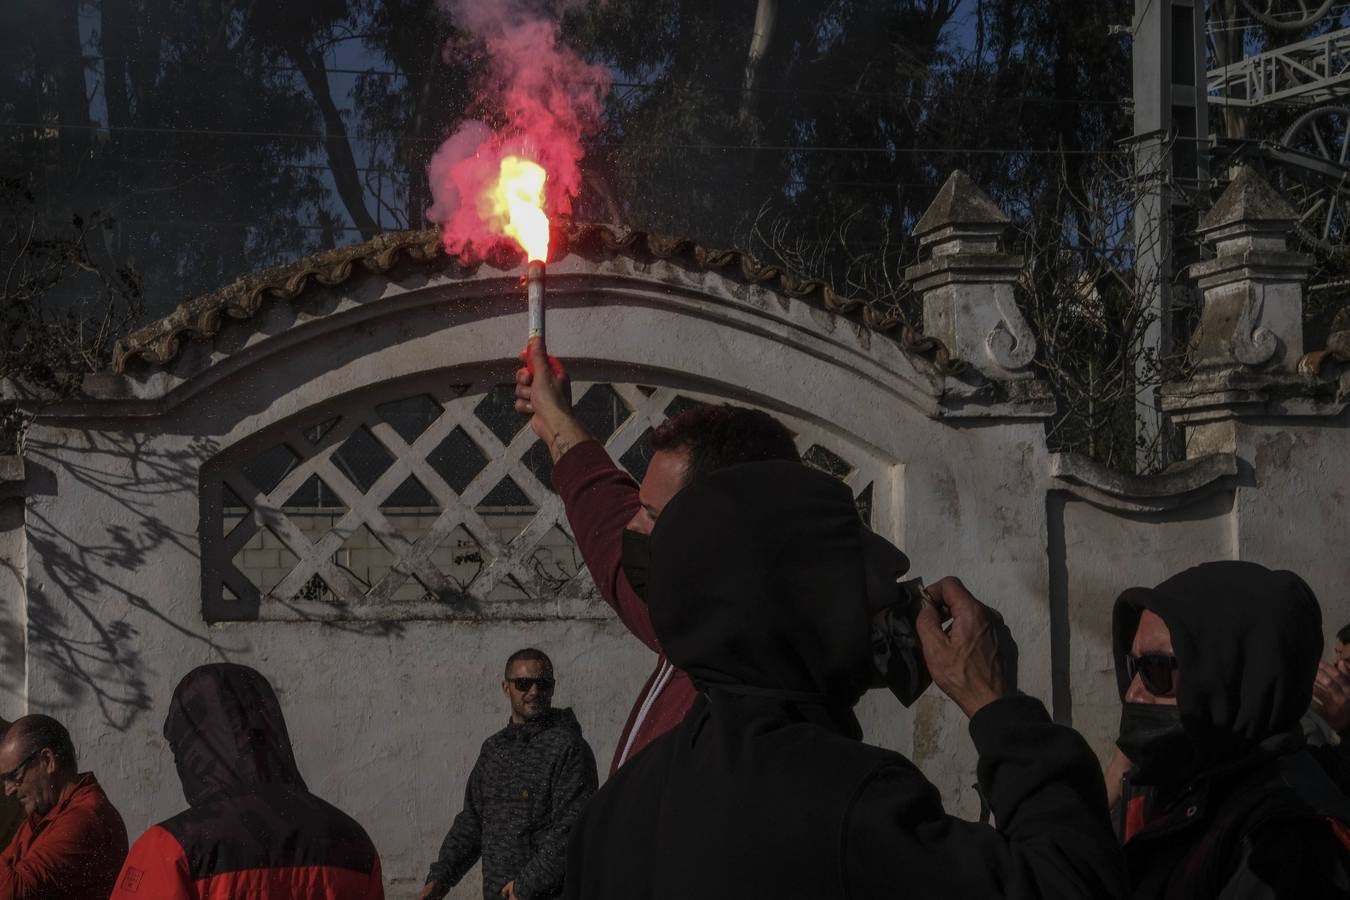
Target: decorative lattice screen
point(436, 504)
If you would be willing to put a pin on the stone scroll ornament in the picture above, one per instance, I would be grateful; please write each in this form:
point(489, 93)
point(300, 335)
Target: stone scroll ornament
point(1253, 344)
point(1011, 344)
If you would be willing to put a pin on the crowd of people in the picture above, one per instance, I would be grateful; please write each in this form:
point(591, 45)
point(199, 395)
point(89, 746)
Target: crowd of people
point(741, 770)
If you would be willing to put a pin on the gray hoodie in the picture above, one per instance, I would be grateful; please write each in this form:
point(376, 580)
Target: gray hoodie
point(526, 789)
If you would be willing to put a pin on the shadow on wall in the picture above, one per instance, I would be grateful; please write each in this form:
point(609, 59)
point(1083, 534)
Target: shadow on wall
point(80, 613)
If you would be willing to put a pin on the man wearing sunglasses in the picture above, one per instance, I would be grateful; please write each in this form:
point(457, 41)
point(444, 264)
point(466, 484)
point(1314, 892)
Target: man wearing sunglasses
point(72, 841)
point(525, 791)
point(1220, 795)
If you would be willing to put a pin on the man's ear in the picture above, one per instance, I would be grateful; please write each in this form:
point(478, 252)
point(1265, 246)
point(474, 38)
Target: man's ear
point(506, 690)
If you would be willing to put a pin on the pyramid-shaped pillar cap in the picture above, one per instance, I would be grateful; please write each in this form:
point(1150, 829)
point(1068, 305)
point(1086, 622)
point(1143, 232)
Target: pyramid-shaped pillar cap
point(960, 204)
point(1248, 202)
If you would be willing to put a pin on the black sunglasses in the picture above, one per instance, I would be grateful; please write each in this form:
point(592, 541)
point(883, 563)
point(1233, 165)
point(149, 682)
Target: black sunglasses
point(15, 775)
point(524, 684)
point(1154, 670)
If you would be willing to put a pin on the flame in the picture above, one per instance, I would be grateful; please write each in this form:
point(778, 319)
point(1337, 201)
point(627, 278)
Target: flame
point(516, 201)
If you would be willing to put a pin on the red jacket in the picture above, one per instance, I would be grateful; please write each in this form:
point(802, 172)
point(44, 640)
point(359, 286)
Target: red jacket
point(252, 829)
point(600, 499)
point(71, 853)
point(158, 869)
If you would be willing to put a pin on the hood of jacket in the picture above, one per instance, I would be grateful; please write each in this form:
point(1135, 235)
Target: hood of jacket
point(1247, 641)
point(758, 584)
point(562, 718)
point(226, 731)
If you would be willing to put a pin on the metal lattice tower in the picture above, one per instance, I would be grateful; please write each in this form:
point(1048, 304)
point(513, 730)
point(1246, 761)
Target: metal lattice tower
point(1309, 160)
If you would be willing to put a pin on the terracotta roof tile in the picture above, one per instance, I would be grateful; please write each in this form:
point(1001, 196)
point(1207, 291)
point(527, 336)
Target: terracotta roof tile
point(202, 317)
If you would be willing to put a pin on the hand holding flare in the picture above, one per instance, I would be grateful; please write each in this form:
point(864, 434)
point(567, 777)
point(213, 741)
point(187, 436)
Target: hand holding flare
point(544, 394)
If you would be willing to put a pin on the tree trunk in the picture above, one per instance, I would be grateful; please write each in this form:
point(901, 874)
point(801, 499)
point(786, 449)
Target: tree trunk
point(341, 161)
point(60, 63)
point(115, 21)
point(766, 15)
point(419, 190)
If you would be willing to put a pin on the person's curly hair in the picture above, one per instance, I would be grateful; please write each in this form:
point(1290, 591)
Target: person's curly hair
point(719, 436)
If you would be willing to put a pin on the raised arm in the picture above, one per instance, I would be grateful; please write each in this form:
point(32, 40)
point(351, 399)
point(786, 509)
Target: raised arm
point(1053, 839)
point(1054, 836)
point(600, 498)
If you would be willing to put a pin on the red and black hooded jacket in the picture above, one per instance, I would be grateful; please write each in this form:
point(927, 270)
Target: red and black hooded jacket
point(252, 828)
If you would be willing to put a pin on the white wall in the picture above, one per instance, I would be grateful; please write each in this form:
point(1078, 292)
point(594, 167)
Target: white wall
point(387, 716)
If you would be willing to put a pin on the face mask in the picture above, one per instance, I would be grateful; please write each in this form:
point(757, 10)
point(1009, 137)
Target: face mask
point(1152, 737)
point(637, 560)
point(896, 654)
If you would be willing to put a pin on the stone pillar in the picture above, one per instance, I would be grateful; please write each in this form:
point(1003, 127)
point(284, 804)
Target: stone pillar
point(967, 282)
point(1252, 309)
point(1243, 358)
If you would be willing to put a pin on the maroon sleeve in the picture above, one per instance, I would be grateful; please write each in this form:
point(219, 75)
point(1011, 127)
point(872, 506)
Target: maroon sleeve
point(600, 499)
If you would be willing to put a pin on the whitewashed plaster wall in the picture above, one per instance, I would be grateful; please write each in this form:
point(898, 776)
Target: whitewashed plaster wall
point(102, 610)
point(1291, 507)
point(1106, 551)
point(387, 716)
point(1283, 507)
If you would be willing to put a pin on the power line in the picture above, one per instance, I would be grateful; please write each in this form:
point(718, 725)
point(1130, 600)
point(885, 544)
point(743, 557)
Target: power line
point(397, 171)
point(170, 223)
point(767, 148)
point(353, 229)
point(681, 87)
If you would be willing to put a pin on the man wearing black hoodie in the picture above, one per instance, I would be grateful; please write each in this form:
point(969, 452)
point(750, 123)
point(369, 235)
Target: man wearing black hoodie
point(759, 589)
point(252, 829)
point(1223, 798)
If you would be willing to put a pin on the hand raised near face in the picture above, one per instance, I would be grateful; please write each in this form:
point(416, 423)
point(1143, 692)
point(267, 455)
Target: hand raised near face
point(964, 660)
point(1331, 695)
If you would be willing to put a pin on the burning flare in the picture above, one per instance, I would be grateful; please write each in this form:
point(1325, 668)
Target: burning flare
point(516, 205)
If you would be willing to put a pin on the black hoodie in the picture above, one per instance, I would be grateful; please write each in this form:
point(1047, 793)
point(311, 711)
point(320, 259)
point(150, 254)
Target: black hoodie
point(252, 828)
point(764, 790)
point(1247, 640)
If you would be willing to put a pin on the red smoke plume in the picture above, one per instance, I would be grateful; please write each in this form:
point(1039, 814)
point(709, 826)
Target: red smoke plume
point(550, 99)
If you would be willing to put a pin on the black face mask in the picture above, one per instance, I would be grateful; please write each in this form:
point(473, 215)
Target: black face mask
point(637, 560)
point(897, 655)
point(1153, 738)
